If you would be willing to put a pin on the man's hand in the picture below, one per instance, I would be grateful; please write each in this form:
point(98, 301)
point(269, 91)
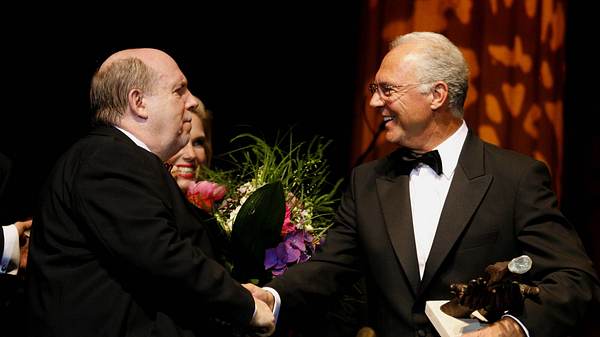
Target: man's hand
point(24, 254)
point(492, 301)
point(22, 227)
point(505, 327)
point(263, 319)
point(260, 294)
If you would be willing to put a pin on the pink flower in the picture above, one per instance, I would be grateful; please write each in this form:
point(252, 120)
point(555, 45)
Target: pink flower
point(287, 226)
point(204, 193)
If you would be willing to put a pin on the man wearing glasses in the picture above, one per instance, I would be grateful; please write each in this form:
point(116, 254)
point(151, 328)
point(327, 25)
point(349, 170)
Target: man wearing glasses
point(440, 209)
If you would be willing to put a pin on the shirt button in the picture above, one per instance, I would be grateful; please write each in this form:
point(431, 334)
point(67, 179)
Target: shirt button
point(421, 333)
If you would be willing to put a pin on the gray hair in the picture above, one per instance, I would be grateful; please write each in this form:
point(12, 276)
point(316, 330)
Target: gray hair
point(111, 85)
point(441, 61)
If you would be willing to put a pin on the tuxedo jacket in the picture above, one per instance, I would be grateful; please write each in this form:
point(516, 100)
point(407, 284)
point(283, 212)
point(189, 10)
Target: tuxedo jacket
point(117, 250)
point(5, 166)
point(499, 206)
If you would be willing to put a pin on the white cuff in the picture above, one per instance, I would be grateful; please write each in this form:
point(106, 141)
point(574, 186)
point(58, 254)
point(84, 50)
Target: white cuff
point(277, 302)
point(12, 252)
point(519, 322)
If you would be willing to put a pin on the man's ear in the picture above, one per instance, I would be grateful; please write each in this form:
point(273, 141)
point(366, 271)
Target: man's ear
point(439, 92)
point(135, 100)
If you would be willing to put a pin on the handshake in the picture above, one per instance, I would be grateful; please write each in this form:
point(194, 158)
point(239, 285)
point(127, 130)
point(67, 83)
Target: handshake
point(263, 320)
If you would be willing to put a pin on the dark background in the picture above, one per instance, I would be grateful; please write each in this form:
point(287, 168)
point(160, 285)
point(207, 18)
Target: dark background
point(259, 68)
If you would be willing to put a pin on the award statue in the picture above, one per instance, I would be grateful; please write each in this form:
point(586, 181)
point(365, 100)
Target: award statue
point(484, 299)
point(502, 291)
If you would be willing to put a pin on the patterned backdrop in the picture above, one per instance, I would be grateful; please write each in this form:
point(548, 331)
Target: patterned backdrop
point(515, 50)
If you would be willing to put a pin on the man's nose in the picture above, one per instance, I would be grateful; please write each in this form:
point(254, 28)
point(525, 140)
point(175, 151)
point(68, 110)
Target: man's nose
point(192, 102)
point(376, 100)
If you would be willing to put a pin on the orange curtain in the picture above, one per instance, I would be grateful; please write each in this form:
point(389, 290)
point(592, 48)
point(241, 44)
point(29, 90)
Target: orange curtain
point(515, 50)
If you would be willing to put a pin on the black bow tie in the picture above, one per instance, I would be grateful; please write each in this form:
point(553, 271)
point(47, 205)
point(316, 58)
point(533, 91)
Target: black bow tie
point(411, 159)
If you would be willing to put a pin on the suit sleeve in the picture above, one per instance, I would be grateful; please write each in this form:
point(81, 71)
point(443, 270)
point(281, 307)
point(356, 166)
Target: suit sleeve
point(561, 268)
point(123, 202)
point(336, 263)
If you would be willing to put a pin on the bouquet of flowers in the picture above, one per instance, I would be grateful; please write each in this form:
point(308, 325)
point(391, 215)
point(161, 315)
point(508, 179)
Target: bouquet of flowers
point(275, 204)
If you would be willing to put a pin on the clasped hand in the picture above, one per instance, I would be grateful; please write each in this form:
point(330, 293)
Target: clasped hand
point(23, 228)
point(263, 319)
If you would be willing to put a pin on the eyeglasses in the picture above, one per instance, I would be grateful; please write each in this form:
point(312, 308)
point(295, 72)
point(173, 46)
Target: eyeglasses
point(387, 90)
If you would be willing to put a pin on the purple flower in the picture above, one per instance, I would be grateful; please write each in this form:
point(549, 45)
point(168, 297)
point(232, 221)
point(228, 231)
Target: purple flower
point(296, 248)
point(276, 258)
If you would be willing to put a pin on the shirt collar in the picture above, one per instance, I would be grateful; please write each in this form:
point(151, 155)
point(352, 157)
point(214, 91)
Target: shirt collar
point(450, 148)
point(134, 139)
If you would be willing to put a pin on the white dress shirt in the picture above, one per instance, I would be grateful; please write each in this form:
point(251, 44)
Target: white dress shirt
point(134, 139)
point(428, 193)
point(11, 254)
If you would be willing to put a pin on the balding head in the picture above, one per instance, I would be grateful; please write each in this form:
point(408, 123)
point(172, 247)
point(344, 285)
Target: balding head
point(119, 74)
point(144, 92)
point(149, 56)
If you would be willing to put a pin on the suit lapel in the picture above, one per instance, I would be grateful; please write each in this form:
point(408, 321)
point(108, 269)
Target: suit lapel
point(469, 186)
point(395, 203)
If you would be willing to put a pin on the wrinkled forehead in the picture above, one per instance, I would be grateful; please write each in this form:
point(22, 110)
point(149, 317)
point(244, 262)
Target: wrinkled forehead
point(398, 65)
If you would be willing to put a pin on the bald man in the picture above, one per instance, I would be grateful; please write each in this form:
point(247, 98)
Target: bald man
point(117, 250)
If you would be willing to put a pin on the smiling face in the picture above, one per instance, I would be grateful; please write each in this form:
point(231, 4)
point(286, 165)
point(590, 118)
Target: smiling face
point(402, 100)
point(191, 156)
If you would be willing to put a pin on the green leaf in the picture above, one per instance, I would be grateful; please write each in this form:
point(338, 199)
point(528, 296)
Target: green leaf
point(257, 227)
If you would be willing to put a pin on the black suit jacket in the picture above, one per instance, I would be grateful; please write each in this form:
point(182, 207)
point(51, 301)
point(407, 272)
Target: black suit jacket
point(500, 205)
point(5, 166)
point(12, 299)
point(117, 250)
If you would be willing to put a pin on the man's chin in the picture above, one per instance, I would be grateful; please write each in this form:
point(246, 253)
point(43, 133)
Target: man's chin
point(391, 136)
